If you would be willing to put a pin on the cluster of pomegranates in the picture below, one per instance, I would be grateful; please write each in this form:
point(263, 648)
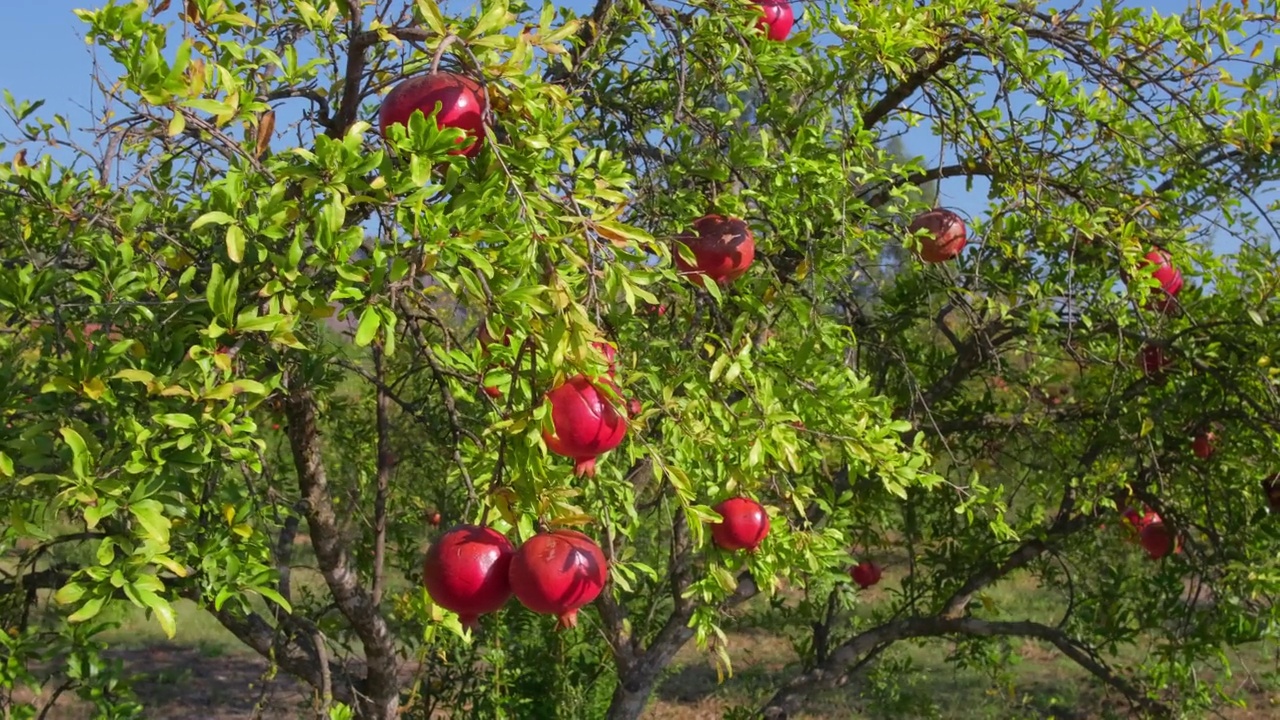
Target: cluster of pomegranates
point(474, 570)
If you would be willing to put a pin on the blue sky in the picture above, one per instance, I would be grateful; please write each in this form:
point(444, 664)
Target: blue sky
point(48, 59)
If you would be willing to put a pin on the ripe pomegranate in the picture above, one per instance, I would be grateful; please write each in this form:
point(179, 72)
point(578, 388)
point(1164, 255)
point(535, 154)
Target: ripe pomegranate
point(659, 310)
point(1138, 521)
point(634, 407)
point(1169, 277)
point(461, 102)
point(1202, 446)
point(776, 19)
point(556, 573)
point(434, 519)
point(947, 235)
point(744, 526)
point(722, 247)
point(586, 424)
point(866, 574)
point(1157, 539)
point(1154, 361)
point(466, 571)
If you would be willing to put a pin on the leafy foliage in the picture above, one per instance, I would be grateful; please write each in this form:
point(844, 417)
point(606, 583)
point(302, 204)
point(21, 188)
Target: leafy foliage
point(242, 315)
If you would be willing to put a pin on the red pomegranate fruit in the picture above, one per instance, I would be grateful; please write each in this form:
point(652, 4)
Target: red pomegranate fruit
point(461, 102)
point(744, 527)
point(722, 247)
point(1140, 521)
point(946, 237)
point(1202, 446)
point(466, 571)
point(1169, 277)
point(776, 19)
point(1157, 539)
point(556, 573)
point(586, 424)
point(1154, 361)
point(866, 574)
point(634, 407)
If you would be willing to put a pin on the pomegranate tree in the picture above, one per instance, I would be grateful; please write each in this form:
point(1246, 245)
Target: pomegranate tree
point(776, 19)
point(585, 423)
point(946, 234)
point(866, 574)
point(461, 101)
point(744, 526)
point(466, 571)
point(723, 249)
point(555, 573)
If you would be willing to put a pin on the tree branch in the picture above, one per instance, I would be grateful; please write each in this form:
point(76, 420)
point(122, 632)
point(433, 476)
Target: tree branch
point(836, 670)
point(332, 555)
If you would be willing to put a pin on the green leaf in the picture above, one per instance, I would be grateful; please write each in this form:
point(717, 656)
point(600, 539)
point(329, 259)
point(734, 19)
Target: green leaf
point(369, 322)
point(175, 420)
point(215, 217)
point(6, 465)
point(491, 20)
point(133, 375)
point(79, 452)
point(276, 598)
point(88, 611)
point(161, 607)
point(235, 243)
point(150, 514)
point(69, 593)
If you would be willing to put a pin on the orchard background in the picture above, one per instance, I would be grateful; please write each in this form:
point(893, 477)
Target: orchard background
point(258, 354)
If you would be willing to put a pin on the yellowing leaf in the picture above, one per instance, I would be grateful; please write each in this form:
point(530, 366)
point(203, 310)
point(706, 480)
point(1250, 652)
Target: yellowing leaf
point(93, 388)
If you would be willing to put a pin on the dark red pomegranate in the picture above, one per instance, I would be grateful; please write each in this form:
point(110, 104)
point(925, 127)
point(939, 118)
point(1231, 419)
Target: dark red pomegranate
point(723, 249)
point(776, 19)
point(1169, 277)
point(634, 407)
point(1154, 361)
point(1202, 446)
point(659, 310)
point(586, 424)
point(866, 574)
point(556, 573)
point(466, 571)
point(1157, 539)
point(461, 102)
point(946, 237)
point(744, 527)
